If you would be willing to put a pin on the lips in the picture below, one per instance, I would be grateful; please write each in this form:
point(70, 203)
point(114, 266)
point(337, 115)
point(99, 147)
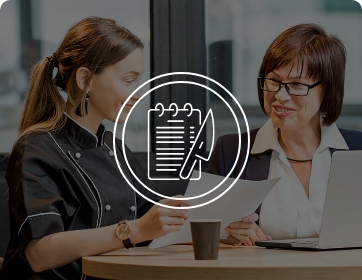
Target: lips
point(129, 106)
point(283, 110)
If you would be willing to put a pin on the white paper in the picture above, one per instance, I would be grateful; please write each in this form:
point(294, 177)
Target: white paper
point(240, 201)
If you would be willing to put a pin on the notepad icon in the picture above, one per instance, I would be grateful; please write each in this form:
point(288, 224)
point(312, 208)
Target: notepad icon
point(176, 150)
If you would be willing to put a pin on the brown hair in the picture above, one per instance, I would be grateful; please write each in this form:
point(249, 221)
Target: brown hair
point(94, 43)
point(324, 55)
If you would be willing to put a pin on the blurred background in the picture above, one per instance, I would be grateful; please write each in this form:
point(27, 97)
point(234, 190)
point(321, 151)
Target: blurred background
point(30, 30)
point(223, 39)
point(238, 33)
point(234, 33)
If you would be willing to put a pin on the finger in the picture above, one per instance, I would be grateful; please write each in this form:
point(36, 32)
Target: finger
point(173, 202)
point(260, 234)
point(173, 221)
point(254, 238)
point(171, 228)
point(175, 213)
point(240, 224)
point(248, 242)
point(251, 218)
point(230, 240)
point(268, 237)
point(241, 238)
point(240, 231)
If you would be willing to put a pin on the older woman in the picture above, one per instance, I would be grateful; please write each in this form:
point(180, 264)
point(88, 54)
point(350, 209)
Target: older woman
point(301, 87)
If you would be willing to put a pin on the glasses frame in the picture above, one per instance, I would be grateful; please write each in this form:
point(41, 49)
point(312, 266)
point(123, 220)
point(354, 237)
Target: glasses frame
point(287, 87)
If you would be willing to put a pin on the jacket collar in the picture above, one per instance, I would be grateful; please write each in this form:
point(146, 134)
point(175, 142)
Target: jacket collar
point(84, 136)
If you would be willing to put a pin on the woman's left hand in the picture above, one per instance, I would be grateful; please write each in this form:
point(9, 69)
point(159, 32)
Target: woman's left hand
point(245, 231)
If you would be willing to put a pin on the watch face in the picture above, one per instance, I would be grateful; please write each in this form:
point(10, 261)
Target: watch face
point(123, 231)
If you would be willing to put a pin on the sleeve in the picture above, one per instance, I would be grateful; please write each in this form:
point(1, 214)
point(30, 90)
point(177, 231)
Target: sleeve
point(217, 163)
point(35, 202)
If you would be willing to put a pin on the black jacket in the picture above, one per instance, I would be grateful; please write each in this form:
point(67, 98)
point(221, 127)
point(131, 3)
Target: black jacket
point(67, 181)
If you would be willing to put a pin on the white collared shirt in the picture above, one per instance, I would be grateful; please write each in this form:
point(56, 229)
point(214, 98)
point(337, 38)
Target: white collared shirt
point(287, 212)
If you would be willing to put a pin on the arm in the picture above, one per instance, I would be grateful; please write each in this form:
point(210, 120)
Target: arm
point(64, 247)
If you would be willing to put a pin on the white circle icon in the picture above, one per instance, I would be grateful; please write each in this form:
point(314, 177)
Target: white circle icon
point(150, 189)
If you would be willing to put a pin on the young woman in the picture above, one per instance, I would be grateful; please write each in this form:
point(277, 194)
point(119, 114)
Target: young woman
point(67, 197)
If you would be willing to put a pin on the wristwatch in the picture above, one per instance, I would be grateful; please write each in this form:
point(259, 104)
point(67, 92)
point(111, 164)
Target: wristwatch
point(123, 232)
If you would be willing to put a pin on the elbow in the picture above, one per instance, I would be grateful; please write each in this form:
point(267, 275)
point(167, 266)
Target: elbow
point(33, 257)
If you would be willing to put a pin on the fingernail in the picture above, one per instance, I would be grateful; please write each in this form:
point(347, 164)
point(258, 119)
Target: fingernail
point(245, 220)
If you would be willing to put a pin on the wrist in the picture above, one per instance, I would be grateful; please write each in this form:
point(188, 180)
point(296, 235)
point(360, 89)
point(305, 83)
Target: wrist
point(136, 231)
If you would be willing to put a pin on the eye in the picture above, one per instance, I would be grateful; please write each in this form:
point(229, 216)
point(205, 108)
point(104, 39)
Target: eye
point(130, 81)
point(273, 82)
point(296, 85)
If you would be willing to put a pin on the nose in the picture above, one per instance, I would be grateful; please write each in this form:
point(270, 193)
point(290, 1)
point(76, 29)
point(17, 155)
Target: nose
point(282, 95)
point(136, 96)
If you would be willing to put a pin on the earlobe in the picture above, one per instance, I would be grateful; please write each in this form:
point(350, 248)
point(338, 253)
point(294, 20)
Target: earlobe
point(82, 78)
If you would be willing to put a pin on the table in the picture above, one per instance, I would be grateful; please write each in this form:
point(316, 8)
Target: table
point(177, 262)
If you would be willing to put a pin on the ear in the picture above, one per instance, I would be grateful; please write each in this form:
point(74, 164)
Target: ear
point(82, 76)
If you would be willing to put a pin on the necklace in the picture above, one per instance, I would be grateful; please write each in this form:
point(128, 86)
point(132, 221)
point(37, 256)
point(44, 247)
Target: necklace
point(299, 160)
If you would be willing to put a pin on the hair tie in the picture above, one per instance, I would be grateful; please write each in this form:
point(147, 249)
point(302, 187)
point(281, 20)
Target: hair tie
point(53, 60)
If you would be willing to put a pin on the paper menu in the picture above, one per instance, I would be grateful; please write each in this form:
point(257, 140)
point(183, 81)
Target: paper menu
point(240, 201)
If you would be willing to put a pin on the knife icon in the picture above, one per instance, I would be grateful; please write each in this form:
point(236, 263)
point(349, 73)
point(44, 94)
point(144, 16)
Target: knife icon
point(196, 152)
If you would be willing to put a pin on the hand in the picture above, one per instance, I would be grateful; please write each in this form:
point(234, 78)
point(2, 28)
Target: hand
point(245, 231)
point(257, 235)
point(159, 221)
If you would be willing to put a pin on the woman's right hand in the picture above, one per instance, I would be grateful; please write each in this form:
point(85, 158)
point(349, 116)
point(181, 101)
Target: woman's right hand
point(159, 221)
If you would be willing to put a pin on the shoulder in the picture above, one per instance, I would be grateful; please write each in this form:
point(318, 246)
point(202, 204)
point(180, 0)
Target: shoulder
point(353, 138)
point(32, 155)
point(32, 141)
point(351, 133)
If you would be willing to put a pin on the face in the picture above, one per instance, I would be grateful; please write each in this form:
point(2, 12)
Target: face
point(110, 89)
point(289, 112)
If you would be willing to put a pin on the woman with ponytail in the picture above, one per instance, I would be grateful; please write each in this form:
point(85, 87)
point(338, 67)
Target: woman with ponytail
point(67, 197)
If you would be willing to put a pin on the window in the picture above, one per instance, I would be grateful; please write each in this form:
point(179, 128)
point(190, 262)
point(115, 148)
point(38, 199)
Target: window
point(238, 33)
point(41, 28)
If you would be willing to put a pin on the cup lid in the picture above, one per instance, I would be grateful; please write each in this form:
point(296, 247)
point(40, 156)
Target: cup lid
point(205, 220)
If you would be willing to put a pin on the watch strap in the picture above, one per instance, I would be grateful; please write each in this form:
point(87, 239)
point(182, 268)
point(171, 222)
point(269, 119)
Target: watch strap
point(127, 243)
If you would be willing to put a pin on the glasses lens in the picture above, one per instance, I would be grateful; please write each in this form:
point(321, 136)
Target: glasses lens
point(269, 85)
point(298, 89)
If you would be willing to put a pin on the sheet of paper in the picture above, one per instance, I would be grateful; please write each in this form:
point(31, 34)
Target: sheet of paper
point(240, 201)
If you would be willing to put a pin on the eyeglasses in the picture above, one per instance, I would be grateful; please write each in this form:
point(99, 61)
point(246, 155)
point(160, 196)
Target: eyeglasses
point(297, 89)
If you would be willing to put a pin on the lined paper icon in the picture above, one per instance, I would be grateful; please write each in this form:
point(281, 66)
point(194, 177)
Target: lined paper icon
point(171, 140)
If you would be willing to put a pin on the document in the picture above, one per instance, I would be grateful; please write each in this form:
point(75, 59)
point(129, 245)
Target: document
point(241, 200)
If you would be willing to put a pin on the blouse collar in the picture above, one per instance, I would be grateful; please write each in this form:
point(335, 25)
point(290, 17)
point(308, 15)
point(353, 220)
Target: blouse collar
point(83, 134)
point(267, 138)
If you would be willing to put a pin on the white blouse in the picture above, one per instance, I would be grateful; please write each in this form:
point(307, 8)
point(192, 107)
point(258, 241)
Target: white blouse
point(287, 212)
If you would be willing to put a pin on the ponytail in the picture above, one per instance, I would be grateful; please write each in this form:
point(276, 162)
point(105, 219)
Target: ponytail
point(44, 106)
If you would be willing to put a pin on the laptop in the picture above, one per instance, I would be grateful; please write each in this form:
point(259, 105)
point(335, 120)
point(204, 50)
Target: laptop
point(341, 225)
